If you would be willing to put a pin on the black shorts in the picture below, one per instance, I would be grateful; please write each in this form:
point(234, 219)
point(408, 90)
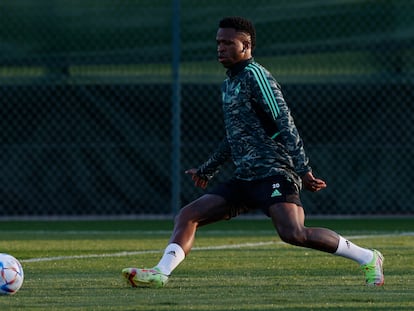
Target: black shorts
point(244, 196)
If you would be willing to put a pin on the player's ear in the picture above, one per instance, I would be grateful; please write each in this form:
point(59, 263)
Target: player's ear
point(246, 45)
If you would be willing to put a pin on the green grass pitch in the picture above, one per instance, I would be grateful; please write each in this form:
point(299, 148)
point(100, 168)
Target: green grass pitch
point(235, 265)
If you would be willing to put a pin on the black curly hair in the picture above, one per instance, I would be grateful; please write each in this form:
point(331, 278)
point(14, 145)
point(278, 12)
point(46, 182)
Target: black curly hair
point(240, 24)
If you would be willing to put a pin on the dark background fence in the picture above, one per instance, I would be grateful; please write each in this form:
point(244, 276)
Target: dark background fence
point(86, 95)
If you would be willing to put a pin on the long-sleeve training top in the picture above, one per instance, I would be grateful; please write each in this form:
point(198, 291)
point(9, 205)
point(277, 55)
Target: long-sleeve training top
point(261, 137)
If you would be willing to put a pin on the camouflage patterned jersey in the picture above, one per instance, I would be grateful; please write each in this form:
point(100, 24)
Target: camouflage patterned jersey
point(261, 137)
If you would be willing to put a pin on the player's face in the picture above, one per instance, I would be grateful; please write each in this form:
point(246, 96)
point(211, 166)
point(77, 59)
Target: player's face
point(230, 47)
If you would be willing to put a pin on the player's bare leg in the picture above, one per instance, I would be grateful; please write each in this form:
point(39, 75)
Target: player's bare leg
point(207, 209)
point(289, 218)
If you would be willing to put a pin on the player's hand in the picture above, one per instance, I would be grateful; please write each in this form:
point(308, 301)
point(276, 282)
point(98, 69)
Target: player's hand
point(311, 183)
point(198, 181)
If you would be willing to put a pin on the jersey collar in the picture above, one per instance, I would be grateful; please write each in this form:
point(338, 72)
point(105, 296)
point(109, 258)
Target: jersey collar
point(237, 68)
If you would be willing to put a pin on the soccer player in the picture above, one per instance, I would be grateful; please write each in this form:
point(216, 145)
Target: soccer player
point(271, 167)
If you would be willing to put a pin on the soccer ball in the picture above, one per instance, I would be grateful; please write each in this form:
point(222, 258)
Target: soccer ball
point(11, 275)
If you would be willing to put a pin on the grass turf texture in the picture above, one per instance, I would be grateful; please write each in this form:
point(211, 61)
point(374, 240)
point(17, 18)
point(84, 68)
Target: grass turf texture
point(84, 260)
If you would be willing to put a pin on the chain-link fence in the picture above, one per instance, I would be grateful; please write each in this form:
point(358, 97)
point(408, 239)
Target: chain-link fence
point(90, 96)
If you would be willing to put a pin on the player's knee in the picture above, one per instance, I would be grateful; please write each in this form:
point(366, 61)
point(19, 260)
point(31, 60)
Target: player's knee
point(293, 236)
point(182, 216)
point(186, 215)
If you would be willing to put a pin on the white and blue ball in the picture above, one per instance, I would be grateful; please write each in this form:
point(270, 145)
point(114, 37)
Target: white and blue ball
point(11, 275)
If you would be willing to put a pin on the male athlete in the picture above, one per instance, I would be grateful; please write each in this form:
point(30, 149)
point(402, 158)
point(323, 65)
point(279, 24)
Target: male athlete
point(271, 167)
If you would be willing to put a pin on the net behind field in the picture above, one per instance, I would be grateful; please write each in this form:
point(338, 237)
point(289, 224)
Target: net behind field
point(86, 99)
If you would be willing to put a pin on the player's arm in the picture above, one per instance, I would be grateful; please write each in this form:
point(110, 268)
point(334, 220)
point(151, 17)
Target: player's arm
point(275, 116)
point(202, 175)
point(282, 127)
point(294, 144)
point(291, 138)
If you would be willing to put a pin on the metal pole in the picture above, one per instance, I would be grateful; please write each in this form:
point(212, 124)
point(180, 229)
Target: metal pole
point(176, 111)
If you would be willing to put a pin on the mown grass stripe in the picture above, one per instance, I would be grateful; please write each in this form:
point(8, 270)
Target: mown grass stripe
point(213, 247)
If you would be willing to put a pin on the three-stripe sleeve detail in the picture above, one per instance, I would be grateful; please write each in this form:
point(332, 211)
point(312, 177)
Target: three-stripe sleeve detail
point(265, 88)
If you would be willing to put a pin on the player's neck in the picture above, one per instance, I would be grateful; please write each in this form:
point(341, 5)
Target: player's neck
point(237, 68)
